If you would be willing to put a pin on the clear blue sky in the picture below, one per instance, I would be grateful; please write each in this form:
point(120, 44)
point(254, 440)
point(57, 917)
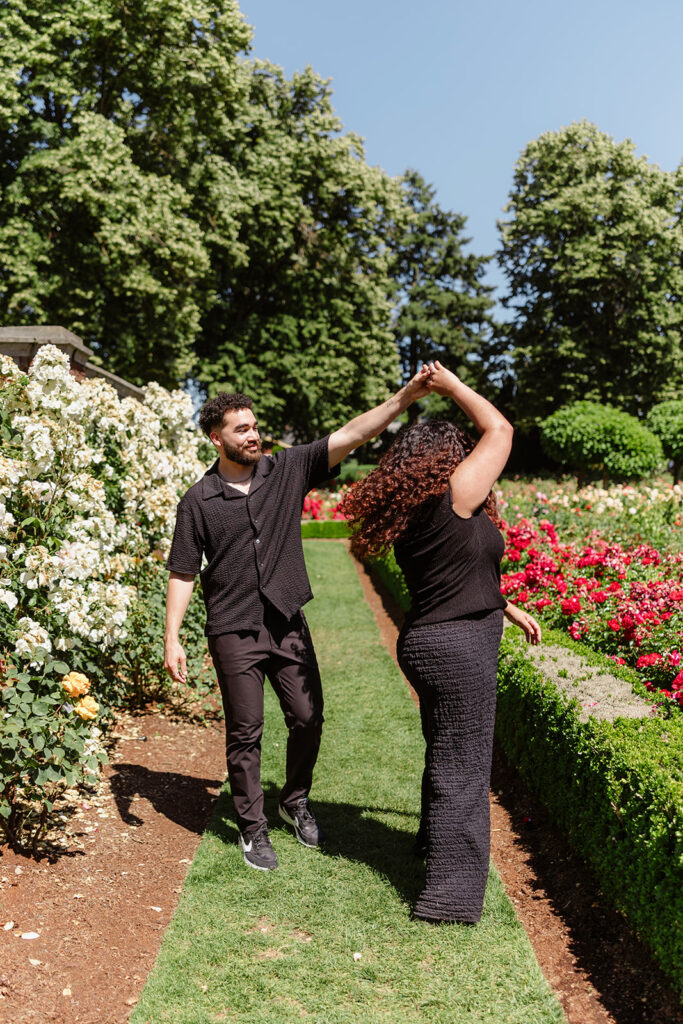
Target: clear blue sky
point(457, 89)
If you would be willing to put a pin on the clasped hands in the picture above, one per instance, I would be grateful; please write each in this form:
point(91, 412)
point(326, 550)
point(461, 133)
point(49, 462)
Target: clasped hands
point(431, 377)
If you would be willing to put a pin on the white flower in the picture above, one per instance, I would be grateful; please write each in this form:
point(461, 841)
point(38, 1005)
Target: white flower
point(29, 638)
point(6, 519)
point(11, 472)
point(36, 440)
point(8, 598)
point(41, 569)
point(65, 428)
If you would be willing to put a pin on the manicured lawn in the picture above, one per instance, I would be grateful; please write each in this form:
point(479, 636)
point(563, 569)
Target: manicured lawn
point(279, 947)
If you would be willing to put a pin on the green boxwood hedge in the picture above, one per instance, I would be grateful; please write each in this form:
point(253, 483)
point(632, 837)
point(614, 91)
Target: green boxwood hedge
point(323, 528)
point(616, 789)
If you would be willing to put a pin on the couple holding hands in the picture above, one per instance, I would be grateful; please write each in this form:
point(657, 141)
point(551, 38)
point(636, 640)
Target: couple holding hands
point(430, 499)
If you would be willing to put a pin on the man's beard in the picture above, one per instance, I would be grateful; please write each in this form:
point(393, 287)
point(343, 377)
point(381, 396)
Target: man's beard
point(242, 456)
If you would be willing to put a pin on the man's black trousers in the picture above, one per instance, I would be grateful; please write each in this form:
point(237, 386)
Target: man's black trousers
point(283, 652)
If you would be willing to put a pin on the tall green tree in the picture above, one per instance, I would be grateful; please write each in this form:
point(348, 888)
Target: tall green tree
point(304, 320)
point(591, 249)
point(444, 308)
point(189, 211)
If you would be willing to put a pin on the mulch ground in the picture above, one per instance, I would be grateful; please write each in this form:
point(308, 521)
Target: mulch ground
point(100, 905)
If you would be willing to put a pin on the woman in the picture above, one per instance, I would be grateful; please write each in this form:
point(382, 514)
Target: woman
point(431, 498)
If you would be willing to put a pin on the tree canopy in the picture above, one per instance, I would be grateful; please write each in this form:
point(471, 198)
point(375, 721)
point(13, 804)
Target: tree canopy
point(591, 249)
point(444, 308)
point(189, 211)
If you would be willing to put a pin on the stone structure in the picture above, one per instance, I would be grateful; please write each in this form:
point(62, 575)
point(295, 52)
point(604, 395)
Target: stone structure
point(22, 343)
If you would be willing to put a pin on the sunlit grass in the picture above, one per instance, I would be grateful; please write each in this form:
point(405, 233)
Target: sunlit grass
point(279, 947)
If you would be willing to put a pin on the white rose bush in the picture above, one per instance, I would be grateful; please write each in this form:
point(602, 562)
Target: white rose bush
point(89, 485)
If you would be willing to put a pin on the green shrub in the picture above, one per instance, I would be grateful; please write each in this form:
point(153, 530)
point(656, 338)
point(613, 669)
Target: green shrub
point(139, 676)
point(48, 743)
point(615, 788)
point(666, 421)
point(351, 471)
point(391, 577)
point(601, 441)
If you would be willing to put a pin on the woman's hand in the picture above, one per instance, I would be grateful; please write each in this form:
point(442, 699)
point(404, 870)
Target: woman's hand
point(417, 385)
point(441, 380)
point(527, 623)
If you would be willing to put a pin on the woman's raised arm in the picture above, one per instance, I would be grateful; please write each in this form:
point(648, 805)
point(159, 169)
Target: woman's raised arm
point(472, 480)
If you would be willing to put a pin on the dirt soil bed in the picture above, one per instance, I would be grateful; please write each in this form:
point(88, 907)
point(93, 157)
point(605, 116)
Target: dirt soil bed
point(100, 906)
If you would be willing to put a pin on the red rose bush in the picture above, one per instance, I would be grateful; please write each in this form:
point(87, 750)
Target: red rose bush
point(625, 602)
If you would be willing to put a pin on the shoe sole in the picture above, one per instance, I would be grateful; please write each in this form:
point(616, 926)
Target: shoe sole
point(290, 821)
point(256, 867)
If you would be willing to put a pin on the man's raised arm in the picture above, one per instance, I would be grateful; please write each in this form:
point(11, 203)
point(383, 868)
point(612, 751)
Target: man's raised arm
point(371, 423)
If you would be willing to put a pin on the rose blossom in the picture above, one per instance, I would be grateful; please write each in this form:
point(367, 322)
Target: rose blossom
point(76, 684)
point(87, 708)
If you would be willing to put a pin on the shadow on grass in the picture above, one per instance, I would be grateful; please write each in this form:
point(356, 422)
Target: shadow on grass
point(352, 832)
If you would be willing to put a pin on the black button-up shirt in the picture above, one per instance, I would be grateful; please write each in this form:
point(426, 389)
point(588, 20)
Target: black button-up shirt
point(252, 542)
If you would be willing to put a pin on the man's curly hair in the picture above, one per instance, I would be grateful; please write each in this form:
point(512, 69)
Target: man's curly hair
point(212, 412)
point(410, 477)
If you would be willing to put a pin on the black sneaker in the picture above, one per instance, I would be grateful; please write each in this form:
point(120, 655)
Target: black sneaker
point(257, 851)
point(307, 829)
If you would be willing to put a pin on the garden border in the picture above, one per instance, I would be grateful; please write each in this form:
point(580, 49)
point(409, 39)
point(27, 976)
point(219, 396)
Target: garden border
point(608, 786)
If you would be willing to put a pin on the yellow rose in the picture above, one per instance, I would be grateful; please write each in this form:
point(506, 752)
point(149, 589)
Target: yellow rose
point(76, 684)
point(87, 708)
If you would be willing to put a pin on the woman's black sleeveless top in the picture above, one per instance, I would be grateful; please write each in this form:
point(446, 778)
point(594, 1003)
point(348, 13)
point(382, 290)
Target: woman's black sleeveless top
point(451, 565)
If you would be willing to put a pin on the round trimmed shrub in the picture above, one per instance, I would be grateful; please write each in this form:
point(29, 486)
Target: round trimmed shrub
point(666, 421)
point(601, 441)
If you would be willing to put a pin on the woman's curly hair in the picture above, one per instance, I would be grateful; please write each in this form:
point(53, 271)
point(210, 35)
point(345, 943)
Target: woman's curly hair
point(412, 474)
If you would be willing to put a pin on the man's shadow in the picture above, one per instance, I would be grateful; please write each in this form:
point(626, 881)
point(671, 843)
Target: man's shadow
point(351, 832)
point(184, 799)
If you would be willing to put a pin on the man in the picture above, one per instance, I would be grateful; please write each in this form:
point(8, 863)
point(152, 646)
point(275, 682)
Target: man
point(244, 515)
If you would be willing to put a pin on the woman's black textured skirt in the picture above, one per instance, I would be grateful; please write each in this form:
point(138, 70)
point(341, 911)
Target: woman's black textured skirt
point(453, 667)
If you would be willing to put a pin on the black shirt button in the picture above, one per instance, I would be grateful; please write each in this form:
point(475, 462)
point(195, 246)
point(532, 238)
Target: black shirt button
point(257, 541)
point(260, 565)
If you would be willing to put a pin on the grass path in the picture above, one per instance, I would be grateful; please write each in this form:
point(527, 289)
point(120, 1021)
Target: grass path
point(328, 937)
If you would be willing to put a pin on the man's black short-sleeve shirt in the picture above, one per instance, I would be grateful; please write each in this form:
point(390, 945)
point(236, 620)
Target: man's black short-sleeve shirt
point(252, 542)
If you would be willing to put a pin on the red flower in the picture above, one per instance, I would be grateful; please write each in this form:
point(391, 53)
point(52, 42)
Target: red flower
point(571, 606)
point(613, 624)
point(646, 660)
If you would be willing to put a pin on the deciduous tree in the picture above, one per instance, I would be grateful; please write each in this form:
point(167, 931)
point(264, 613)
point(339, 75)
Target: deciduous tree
point(444, 308)
point(190, 211)
point(591, 249)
